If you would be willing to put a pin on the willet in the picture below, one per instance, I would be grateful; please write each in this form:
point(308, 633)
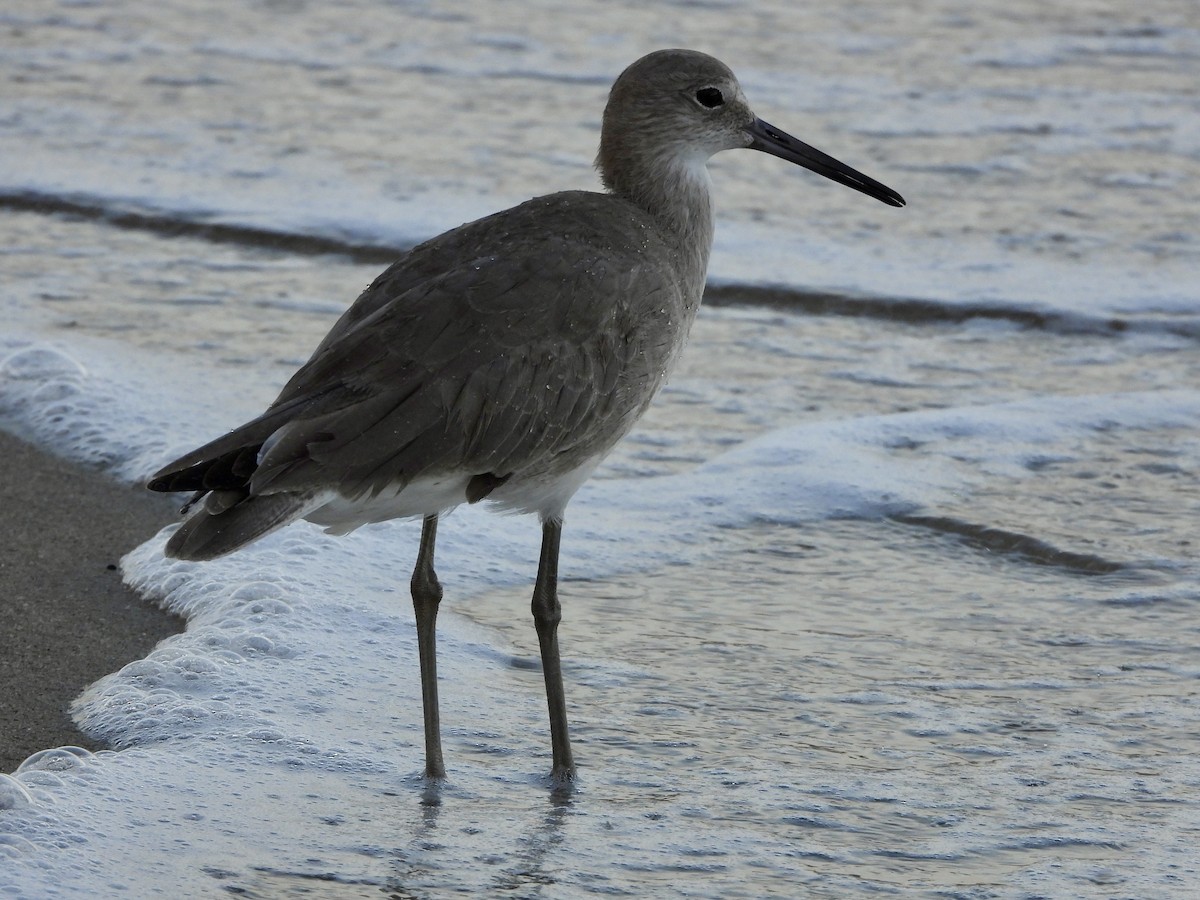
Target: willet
point(501, 360)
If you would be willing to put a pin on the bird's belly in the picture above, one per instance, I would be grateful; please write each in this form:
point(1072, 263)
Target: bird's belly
point(543, 493)
point(422, 497)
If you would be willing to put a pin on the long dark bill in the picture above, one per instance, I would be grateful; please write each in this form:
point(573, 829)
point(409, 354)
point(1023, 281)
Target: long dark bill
point(769, 139)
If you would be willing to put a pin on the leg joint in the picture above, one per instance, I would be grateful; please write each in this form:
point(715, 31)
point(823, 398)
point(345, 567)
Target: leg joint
point(425, 584)
point(547, 611)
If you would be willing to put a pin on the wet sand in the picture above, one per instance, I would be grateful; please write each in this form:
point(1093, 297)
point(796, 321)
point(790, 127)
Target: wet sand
point(66, 618)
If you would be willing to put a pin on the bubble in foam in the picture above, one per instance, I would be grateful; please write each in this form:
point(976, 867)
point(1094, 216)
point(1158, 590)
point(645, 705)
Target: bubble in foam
point(13, 794)
point(59, 759)
point(14, 846)
point(40, 364)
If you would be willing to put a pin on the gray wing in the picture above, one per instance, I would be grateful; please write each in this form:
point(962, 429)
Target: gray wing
point(523, 338)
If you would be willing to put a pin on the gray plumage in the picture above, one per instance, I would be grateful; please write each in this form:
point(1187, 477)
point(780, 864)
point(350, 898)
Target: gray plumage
point(503, 359)
point(443, 365)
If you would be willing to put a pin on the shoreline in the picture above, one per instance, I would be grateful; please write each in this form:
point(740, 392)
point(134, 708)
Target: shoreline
point(66, 617)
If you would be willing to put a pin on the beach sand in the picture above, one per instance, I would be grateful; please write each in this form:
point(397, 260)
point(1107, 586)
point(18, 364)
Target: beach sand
point(66, 618)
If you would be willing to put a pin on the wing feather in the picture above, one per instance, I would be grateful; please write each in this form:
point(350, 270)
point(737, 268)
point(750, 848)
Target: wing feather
point(499, 346)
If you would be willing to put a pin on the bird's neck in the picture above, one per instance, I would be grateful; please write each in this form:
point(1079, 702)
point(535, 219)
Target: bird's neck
point(678, 194)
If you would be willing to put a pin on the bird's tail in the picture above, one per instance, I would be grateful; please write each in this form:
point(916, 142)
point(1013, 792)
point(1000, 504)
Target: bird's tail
point(216, 529)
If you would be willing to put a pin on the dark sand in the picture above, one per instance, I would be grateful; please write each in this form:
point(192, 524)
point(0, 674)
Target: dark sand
point(66, 618)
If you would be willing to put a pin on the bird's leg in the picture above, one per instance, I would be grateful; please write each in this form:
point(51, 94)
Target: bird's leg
point(427, 594)
point(546, 615)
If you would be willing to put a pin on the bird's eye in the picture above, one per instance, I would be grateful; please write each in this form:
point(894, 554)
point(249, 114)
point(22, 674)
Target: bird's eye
point(709, 97)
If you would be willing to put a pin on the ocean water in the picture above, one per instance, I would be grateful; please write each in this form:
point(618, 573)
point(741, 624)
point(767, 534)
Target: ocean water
point(892, 593)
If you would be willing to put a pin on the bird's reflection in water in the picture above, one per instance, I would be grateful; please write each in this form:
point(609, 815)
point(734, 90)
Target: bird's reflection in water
point(525, 866)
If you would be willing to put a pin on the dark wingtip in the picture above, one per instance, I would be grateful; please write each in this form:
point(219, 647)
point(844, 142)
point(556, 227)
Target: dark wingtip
point(159, 483)
point(171, 479)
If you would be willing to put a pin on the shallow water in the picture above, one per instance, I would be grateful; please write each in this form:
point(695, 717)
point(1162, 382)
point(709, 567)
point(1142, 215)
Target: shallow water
point(898, 603)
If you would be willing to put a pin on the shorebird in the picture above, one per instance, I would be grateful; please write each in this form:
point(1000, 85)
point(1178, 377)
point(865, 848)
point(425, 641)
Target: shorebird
point(502, 360)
